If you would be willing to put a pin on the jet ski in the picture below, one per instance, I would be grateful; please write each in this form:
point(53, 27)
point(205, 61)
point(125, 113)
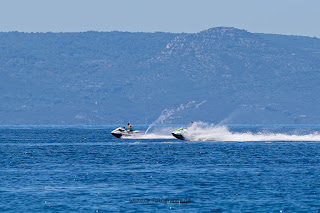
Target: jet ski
point(179, 134)
point(121, 131)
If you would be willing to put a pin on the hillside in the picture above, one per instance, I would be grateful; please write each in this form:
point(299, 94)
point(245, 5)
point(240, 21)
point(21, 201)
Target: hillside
point(225, 74)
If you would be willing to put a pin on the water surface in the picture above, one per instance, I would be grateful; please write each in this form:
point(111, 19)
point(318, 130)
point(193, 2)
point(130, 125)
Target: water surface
point(85, 169)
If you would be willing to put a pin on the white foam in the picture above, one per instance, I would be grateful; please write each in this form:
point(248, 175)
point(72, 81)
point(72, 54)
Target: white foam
point(150, 136)
point(203, 132)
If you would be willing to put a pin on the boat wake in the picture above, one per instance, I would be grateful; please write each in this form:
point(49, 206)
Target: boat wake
point(204, 132)
point(149, 136)
point(156, 133)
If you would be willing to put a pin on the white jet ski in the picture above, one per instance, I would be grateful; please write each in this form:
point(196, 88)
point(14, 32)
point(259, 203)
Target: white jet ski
point(179, 133)
point(121, 131)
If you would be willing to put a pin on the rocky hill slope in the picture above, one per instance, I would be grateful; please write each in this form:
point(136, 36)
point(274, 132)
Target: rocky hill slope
point(217, 75)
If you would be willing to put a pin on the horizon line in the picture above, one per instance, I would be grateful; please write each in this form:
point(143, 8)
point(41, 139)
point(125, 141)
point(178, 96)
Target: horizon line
point(151, 32)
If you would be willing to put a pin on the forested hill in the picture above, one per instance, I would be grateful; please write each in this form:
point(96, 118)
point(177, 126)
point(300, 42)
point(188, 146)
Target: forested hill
point(219, 74)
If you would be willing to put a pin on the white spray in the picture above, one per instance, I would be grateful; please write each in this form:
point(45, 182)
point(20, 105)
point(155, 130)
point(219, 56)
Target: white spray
point(167, 113)
point(204, 132)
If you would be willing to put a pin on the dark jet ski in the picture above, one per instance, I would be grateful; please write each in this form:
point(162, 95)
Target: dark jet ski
point(179, 134)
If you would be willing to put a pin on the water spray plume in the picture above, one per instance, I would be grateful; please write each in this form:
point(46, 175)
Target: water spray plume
point(167, 113)
point(204, 132)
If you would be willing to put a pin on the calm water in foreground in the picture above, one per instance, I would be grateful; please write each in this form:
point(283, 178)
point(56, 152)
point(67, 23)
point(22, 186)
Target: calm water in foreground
point(85, 169)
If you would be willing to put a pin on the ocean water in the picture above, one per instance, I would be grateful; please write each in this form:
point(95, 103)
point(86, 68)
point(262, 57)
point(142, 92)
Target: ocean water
point(85, 169)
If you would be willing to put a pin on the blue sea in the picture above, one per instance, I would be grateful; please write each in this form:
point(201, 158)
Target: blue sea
point(85, 169)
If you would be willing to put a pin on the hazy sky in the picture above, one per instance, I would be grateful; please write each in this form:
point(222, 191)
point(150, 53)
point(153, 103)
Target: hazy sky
point(296, 17)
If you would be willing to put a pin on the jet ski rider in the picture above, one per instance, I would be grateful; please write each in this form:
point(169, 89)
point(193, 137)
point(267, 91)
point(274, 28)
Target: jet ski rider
point(129, 127)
